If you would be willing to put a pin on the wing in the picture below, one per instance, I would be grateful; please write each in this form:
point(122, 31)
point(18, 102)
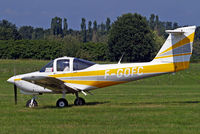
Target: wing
point(51, 83)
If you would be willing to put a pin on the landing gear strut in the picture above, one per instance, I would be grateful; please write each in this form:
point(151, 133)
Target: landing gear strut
point(79, 101)
point(32, 102)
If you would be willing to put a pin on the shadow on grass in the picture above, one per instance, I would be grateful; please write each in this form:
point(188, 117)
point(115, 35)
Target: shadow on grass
point(172, 102)
point(189, 102)
point(71, 105)
point(96, 103)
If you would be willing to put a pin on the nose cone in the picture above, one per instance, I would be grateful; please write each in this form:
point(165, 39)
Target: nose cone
point(11, 80)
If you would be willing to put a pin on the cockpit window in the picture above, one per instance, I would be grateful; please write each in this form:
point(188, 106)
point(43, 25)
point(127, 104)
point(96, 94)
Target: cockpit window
point(48, 67)
point(63, 65)
point(80, 64)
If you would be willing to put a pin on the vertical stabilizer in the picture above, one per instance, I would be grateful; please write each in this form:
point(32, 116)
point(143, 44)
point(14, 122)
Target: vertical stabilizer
point(177, 49)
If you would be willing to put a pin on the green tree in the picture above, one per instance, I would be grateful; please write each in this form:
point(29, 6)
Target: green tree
point(95, 25)
point(108, 24)
point(93, 51)
point(197, 33)
point(26, 32)
point(196, 51)
point(157, 22)
point(56, 26)
point(38, 33)
point(168, 25)
point(35, 49)
point(71, 46)
point(102, 29)
point(83, 30)
point(47, 33)
point(130, 35)
point(65, 28)
point(8, 31)
point(94, 33)
point(90, 30)
point(152, 21)
point(175, 25)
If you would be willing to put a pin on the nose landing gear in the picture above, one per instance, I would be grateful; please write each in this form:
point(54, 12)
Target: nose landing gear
point(32, 102)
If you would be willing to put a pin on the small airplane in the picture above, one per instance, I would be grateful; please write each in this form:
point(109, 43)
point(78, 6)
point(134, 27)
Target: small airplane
point(73, 75)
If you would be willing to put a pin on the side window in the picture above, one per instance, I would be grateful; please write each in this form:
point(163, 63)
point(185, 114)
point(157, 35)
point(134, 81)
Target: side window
point(63, 65)
point(80, 64)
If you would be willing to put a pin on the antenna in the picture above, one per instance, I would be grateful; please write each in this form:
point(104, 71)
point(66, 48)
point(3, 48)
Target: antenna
point(119, 62)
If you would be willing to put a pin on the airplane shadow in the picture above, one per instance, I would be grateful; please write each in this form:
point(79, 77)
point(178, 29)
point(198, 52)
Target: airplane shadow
point(72, 105)
point(170, 102)
point(134, 103)
point(188, 102)
point(96, 103)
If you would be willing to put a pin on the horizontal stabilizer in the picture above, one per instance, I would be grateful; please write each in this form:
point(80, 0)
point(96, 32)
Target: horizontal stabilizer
point(175, 31)
point(181, 30)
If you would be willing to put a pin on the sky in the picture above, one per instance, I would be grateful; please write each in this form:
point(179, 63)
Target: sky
point(38, 13)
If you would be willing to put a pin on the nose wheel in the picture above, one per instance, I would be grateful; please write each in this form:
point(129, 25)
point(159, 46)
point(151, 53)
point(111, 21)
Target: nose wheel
point(32, 103)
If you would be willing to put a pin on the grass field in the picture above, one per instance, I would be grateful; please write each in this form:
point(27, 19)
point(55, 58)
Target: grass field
point(165, 104)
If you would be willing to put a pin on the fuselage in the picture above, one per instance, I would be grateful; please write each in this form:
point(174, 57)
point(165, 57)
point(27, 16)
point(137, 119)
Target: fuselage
point(96, 76)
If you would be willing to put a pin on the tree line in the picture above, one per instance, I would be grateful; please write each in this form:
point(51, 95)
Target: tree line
point(131, 35)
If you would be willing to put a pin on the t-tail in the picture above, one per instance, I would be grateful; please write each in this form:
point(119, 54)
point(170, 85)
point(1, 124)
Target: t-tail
point(177, 49)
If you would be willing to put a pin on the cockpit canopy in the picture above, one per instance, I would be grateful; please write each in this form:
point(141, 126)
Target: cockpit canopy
point(66, 64)
point(48, 67)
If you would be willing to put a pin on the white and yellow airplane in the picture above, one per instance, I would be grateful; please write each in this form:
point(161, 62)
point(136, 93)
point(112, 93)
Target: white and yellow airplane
point(72, 75)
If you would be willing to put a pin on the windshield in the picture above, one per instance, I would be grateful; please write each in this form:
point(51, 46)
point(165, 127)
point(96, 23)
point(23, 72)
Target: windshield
point(48, 67)
point(80, 64)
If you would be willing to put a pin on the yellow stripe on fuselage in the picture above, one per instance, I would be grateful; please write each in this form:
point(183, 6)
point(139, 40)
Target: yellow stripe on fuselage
point(157, 68)
point(169, 67)
point(146, 69)
point(182, 42)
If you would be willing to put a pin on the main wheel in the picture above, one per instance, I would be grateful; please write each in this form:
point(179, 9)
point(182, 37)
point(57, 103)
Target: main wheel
point(34, 104)
point(61, 103)
point(79, 101)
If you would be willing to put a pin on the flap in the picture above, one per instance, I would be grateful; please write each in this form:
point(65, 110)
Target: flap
point(51, 83)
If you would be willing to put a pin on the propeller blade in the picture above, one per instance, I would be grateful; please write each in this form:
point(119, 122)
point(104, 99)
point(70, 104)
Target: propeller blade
point(15, 92)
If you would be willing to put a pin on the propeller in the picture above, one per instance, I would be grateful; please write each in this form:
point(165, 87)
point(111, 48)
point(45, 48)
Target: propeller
point(15, 88)
point(15, 93)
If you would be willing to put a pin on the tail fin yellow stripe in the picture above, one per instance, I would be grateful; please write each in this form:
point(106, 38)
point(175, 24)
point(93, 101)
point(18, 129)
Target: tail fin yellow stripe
point(186, 40)
point(172, 55)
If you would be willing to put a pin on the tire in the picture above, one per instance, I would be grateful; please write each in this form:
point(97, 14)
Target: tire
point(61, 103)
point(28, 104)
point(79, 101)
